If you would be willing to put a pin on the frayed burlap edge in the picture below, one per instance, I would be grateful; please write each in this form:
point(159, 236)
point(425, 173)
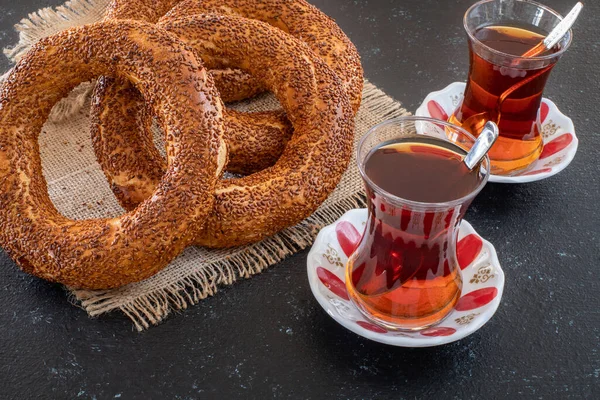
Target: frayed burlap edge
point(48, 21)
point(152, 307)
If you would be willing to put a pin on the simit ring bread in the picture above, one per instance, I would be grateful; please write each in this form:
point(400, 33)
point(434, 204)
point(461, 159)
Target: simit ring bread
point(297, 18)
point(119, 112)
point(234, 85)
point(255, 140)
point(108, 252)
point(250, 208)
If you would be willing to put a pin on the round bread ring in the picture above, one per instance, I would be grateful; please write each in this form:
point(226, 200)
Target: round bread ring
point(255, 139)
point(251, 208)
point(109, 252)
point(118, 112)
point(296, 17)
point(299, 19)
point(233, 84)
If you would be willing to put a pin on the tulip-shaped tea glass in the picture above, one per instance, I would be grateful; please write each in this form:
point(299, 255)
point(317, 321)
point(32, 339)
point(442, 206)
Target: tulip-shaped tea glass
point(503, 86)
point(404, 274)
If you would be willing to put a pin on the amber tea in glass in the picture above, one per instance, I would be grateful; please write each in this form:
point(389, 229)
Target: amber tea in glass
point(404, 273)
point(499, 33)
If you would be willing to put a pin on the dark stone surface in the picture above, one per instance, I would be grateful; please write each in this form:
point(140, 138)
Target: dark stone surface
point(267, 337)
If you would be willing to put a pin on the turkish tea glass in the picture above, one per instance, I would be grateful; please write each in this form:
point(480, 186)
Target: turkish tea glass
point(492, 74)
point(404, 274)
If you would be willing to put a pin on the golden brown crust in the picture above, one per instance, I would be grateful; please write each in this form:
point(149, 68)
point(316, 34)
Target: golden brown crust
point(250, 208)
point(119, 112)
point(233, 85)
point(254, 140)
point(236, 85)
point(299, 19)
point(131, 180)
point(110, 252)
point(139, 10)
point(296, 17)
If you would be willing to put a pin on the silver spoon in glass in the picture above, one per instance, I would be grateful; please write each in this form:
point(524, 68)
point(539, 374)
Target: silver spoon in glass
point(483, 144)
point(474, 123)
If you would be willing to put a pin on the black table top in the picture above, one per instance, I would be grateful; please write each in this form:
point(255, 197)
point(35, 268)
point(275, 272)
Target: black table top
point(267, 336)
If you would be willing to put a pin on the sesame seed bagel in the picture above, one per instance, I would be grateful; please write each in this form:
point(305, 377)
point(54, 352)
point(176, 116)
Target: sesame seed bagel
point(234, 85)
point(255, 140)
point(109, 252)
point(248, 209)
point(299, 19)
point(139, 10)
point(118, 112)
point(296, 17)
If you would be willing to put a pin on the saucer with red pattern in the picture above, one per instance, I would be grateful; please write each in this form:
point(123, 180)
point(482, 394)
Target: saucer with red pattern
point(558, 132)
point(483, 283)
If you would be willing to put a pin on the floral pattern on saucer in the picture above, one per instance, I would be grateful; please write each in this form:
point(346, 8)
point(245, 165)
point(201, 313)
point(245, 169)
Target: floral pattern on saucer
point(558, 131)
point(483, 283)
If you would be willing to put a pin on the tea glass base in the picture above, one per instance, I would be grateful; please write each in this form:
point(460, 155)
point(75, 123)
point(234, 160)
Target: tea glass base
point(527, 152)
point(327, 278)
point(415, 326)
point(502, 166)
point(559, 141)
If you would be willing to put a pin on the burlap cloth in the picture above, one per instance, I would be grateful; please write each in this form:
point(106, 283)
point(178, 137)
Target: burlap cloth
point(79, 190)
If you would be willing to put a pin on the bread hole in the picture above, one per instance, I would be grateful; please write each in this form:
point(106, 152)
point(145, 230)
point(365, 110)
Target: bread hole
point(76, 184)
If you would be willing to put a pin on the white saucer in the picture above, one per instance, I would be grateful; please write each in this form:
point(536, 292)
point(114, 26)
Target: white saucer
point(483, 283)
point(558, 131)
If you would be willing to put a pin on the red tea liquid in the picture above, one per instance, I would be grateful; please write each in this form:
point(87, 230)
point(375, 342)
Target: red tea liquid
point(520, 142)
point(405, 272)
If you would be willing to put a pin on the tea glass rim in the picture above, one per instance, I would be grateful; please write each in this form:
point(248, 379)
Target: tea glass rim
point(413, 203)
point(512, 56)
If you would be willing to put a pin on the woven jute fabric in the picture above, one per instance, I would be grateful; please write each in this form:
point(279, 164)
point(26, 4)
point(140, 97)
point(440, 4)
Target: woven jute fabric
point(79, 190)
